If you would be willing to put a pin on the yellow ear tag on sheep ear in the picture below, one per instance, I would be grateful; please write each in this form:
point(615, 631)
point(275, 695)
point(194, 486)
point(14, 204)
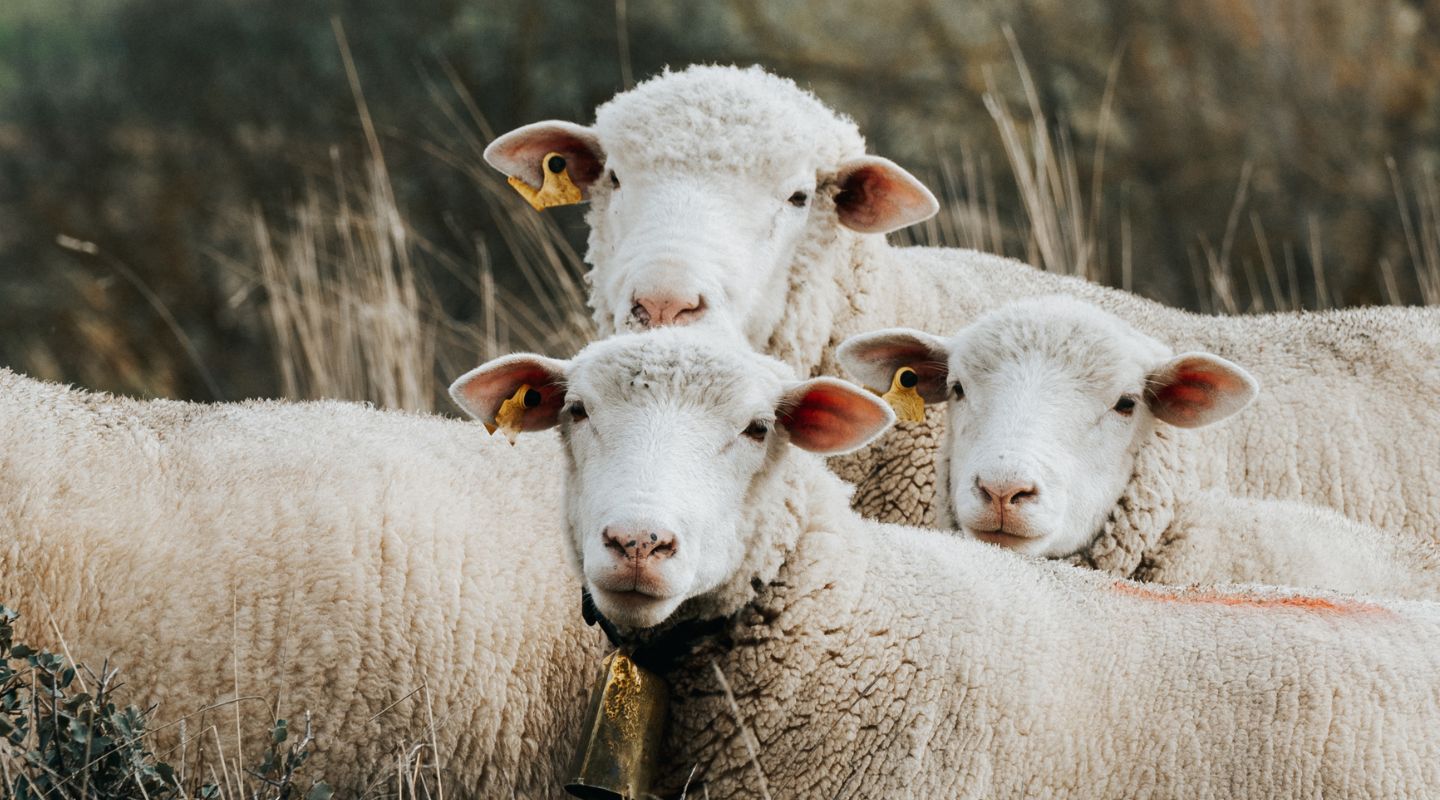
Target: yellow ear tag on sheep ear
point(903, 398)
point(512, 412)
point(556, 190)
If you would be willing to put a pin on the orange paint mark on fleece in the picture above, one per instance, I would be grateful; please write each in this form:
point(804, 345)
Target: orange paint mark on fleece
point(1194, 595)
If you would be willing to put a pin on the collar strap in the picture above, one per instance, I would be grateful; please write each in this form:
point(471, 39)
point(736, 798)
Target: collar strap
point(593, 616)
point(659, 653)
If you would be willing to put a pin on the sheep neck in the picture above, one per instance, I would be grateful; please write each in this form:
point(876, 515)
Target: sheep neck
point(789, 498)
point(823, 286)
point(1136, 527)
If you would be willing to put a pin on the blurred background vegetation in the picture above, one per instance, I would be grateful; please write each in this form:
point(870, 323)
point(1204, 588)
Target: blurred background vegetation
point(217, 199)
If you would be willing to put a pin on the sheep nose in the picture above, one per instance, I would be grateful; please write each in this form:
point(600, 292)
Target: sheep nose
point(1005, 494)
point(639, 545)
point(659, 310)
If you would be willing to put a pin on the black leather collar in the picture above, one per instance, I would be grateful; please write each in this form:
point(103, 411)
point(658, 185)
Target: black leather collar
point(662, 651)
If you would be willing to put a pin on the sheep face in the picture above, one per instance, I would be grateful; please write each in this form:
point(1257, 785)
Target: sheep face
point(706, 188)
point(1049, 401)
point(670, 436)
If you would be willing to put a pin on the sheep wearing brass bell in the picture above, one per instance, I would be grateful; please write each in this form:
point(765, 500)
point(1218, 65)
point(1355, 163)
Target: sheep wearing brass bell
point(759, 206)
point(381, 570)
point(874, 661)
point(1069, 434)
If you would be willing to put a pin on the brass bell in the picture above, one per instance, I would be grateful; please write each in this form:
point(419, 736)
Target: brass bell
point(619, 755)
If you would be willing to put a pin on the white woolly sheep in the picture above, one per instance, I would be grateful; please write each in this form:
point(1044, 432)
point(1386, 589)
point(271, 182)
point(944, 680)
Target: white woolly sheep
point(870, 660)
point(322, 556)
point(732, 194)
point(1067, 437)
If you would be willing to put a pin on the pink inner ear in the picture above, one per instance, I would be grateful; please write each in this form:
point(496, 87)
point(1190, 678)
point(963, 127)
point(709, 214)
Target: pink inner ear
point(485, 392)
point(1187, 397)
point(880, 197)
point(881, 357)
point(830, 418)
point(860, 202)
point(519, 153)
point(1193, 391)
point(893, 352)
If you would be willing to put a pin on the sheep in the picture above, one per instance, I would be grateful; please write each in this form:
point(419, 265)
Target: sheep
point(860, 659)
point(323, 556)
point(1070, 435)
point(732, 194)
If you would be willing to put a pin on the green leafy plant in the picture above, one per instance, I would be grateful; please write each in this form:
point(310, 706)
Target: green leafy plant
point(64, 736)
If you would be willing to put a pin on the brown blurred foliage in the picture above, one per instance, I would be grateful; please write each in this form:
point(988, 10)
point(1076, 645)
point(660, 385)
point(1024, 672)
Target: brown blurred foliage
point(1224, 155)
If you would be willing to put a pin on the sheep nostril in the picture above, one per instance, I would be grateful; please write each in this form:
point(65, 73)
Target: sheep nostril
point(982, 492)
point(1004, 493)
point(688, 315)
point(640, 314)
point(635, 546)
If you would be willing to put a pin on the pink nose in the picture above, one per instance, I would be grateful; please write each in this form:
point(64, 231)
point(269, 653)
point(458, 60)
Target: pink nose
point(658, 310)
point(1005, 494)
point(642, 547)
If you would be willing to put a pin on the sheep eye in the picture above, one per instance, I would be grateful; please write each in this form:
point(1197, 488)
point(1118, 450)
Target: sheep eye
point(1125, 406)
point(957, 391)
point(799, 199)
point(576, 411)
point(756, 430)
point(614, 180)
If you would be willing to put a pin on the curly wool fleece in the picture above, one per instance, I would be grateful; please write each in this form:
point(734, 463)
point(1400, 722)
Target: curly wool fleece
point(885, 661)
point(1313, 435)
point(381, 570)
point(1165, 529)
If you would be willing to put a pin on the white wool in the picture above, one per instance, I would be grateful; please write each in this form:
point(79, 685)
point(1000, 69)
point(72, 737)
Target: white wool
point(345, 556)
point(870, 660)
point(1040, 384)
point(1164, 528)
point(705, 158)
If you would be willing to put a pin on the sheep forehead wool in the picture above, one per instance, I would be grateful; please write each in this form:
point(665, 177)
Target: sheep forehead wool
point(1092, 347)
point(679, 365)
point(724, 119)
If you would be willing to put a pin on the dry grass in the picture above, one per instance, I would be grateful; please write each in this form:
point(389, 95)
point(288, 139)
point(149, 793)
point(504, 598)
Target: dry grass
point(350, 309)
point(1419, 210)
point(353, 316)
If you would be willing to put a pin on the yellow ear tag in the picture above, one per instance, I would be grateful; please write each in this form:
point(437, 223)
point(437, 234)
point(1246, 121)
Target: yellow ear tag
point(512, 412)
point(556, 190)
point(903, 398)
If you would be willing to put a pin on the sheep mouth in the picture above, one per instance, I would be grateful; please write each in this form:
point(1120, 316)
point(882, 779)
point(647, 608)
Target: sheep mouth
point(1005, 538)
point(634, 608)
point(631, 596)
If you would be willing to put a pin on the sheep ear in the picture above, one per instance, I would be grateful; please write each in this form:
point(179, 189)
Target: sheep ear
point(519, 152)
point(481, 390)
point(1198, 389)
point(874, 357)
point(877, 196)
point(830, 416)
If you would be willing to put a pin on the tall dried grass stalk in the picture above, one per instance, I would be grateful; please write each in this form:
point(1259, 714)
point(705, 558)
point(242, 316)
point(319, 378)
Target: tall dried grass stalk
point(350, 308)
point(353, 315)
point(1422, 231)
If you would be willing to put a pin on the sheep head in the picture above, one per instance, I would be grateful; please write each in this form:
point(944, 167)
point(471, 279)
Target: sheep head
point(671, 437)
point(1049, 402)
point(711, 189)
